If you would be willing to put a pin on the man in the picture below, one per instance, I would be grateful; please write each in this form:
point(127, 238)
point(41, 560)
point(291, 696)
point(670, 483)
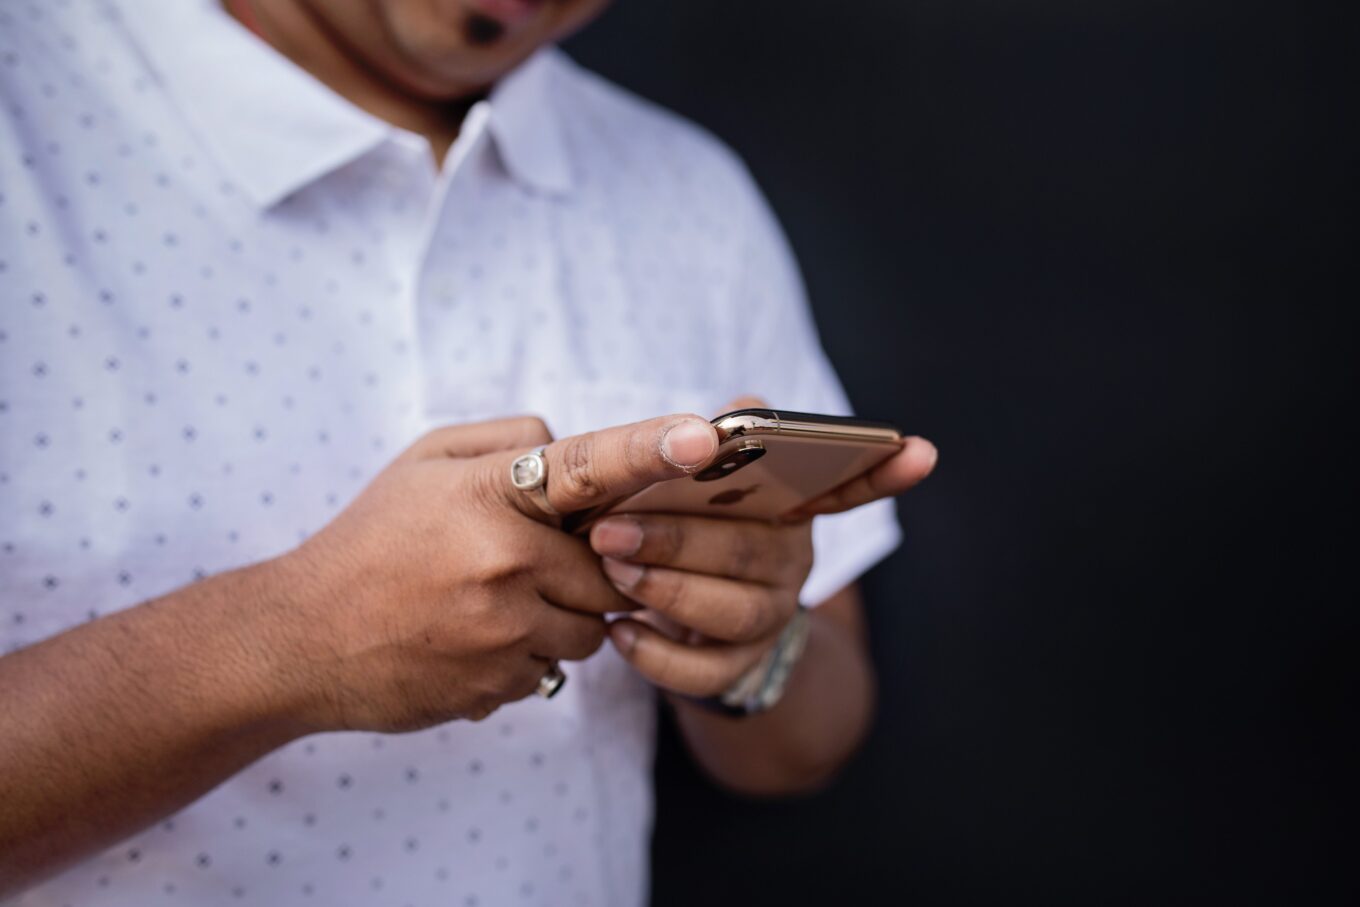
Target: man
point(252, 259)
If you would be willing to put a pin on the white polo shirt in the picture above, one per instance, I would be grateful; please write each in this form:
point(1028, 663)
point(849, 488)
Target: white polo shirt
point(228, 298)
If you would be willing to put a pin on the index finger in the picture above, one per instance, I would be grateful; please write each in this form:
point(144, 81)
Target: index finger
point(602, 466)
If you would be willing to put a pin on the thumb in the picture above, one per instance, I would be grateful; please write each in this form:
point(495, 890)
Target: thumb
point(601, 466)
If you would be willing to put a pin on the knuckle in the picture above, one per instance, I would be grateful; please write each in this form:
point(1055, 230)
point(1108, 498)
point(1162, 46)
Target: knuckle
point(482, 609)
point(580, 477)
point(501, 565)
point(481, 712)
point(515, 634)
point(506, 555)
point(486, 695)
point(664, 590)
point(518, 627)
point(535, 428)
point(436, 437)
point(500, 684)
point(495, 627)
point(640, 450)
point(749, 618)
point(745, 553)
point(474, 624)
point(667, 537)
point(486, 485)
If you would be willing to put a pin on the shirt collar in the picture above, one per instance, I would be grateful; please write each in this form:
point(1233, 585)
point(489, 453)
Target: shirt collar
point(527, 127)
point(276, 129)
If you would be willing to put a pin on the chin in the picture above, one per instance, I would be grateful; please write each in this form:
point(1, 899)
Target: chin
point(456, 48)
point(450, 49)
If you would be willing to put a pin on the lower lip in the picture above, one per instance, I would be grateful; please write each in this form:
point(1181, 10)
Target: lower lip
point(508, 12)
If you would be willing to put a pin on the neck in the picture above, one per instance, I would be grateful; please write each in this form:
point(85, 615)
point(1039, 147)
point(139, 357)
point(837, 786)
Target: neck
point(294, 30)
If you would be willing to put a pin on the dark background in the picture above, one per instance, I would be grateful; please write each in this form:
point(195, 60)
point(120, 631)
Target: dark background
point(1093, 249)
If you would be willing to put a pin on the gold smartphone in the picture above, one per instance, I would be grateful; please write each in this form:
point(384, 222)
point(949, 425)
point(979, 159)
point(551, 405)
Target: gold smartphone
point(768, 463)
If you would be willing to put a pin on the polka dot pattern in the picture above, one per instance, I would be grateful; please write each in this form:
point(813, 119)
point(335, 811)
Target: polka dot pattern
point(227, 303)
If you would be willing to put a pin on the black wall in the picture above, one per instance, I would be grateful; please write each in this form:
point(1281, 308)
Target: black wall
point(1093, 249)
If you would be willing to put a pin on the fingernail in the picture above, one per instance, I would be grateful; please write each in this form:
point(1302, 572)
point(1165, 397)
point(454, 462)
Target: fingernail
point(619, 536)
point(689, 443)
point(624, 574)
point(934, 456)
point(625, 636)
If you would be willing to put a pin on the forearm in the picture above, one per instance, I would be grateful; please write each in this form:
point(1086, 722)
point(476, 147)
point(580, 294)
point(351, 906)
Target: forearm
point(821, 720)
point(112, 725)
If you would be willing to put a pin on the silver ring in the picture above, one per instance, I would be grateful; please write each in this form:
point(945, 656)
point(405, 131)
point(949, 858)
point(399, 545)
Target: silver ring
point(529, 473)
point(553, 680)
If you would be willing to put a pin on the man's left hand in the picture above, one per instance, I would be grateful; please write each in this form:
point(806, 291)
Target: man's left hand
point(721, 590)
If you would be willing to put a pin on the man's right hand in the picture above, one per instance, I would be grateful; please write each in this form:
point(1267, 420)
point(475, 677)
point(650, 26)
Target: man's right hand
point(443, 591)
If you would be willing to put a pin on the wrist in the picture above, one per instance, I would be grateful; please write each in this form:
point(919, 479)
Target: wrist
point(277, 650)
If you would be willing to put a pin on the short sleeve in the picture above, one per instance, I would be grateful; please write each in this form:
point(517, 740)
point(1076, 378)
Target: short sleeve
point(779, 357)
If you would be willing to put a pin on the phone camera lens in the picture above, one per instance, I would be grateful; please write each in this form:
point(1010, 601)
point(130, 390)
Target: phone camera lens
point(730, 463)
